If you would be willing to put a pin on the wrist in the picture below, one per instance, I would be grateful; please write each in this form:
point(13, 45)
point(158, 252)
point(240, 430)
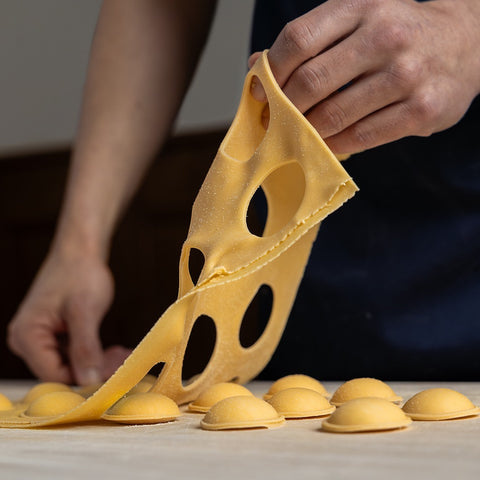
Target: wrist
point(82, 237)
point(92, 205)
point(464, 18)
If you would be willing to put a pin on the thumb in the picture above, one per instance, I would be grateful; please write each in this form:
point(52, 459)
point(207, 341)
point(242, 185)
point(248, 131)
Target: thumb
point(85, 349)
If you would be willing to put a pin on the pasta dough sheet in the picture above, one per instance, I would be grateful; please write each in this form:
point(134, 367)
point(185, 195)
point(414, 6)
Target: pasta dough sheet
point(303, 183)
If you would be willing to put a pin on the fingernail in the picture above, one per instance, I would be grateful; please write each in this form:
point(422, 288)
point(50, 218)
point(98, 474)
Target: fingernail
point(90, 376)
point(257, 91)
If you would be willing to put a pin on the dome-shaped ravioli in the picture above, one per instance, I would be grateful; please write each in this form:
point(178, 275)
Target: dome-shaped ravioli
point(245, 411)
point(215, 393)
point(439, 404)
point(54, 403)
point(363, 387)
point(366, 414)
point(143, 408)
point(296, 381)
point(300, 403)
point(43, 388)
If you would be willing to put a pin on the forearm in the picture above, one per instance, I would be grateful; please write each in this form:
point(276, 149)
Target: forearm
point(142, 58)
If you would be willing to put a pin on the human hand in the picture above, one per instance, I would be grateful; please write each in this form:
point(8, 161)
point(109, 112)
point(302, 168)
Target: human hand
point(368, 72)
point(55, 330)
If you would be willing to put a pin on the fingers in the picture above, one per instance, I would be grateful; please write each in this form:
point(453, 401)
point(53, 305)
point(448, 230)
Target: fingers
point(309, 35)
point(386, 125)
point(302, 40)
point(368, 72)
point(85, 349)
point(321, 76)
point(362, 98)
point(38, 346)
point(56, 328)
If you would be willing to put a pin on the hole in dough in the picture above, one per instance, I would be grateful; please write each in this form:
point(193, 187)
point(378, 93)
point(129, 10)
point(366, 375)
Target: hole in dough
point(256, 317)
point(199, 350)
point(243, 139)
point(196, 260)
point(156, 370)
point(284, 189)
point(257, 213)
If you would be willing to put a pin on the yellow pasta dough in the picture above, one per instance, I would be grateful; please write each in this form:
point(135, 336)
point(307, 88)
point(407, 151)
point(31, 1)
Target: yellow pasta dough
point(439, 404)
point(42, 388)
point(363, 387)
point(54, 403)
point(300, 403)
point(143, 408)
point(303, 183)
point(368, 414)
point(214, 394)
point(296, 381)
point(5, 403)
point(241, 412)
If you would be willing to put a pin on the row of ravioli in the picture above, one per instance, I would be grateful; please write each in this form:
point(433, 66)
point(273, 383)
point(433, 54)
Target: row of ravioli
point(358, 405)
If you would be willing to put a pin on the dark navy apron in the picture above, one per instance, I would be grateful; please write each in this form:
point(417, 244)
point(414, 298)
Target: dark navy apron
point(392, 288)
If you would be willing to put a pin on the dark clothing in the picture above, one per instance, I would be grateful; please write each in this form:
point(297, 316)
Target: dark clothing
point(392, 289)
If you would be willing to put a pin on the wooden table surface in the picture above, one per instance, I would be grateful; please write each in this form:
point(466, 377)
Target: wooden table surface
point(298, 450)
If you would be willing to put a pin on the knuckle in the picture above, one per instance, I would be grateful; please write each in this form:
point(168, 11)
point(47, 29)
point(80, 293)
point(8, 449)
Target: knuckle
point(390, 35)
point(312, 80)
point(76, 310)
point(404, 73)
point(362, 136)
point(81, 350)
point(298, 36)
point(362, 6)
point(334, 118)
point(19, 334)
point(426, 111)
point(81, 307)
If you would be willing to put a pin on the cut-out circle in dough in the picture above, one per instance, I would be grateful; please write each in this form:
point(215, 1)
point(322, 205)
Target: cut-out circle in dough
point(368, 414)
point(284, 189)
point(214, 394)
point(300, 403)
point(363, 387)
point(199, 349)
point(257, 213)
point(140, 387)
point(293, 381)
point(256, 317)
point(196, 261)
point(241, 412)
point(439, 404)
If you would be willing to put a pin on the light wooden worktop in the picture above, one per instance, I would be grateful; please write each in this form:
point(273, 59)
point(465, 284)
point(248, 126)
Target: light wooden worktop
point(298, 450)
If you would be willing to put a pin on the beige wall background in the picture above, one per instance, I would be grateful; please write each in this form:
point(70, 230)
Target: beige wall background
point(44, 48)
